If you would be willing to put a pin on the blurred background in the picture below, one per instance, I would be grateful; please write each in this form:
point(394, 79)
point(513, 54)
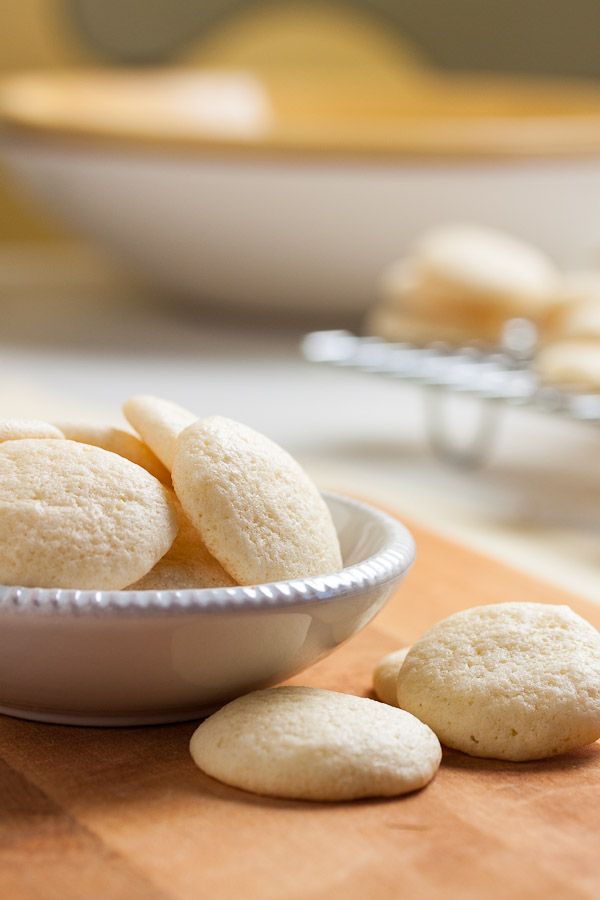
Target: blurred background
point(80, 331)
point(370, 38)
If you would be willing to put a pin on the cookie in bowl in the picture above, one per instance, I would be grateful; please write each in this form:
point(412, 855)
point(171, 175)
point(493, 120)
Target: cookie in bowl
point(257, 510)
point(77, 516)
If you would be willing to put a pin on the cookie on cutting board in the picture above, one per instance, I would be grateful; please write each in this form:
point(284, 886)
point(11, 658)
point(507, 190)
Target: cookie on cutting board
point(305, 743)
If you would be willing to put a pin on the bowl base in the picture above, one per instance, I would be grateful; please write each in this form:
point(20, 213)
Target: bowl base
point(110, 720)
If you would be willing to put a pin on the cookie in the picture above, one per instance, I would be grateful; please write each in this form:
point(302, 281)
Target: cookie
point(405, 292)
point(398, 326)
point(463, 283)
point(188, 564)
point(514, 681)
point(117, 441)
point(158, 422)
point(257, 510)
point(76, 516)
point(385, 676)
point(19, 429)
point(304, 743)
point(570, 363)
point(579, 320)
point(469, 264)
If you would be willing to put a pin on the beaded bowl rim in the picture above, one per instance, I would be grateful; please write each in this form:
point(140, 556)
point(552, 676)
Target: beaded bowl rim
point(392, 562)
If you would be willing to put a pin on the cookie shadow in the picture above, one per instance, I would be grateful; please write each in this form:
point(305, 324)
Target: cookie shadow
point(226, 794)
point(581, 758)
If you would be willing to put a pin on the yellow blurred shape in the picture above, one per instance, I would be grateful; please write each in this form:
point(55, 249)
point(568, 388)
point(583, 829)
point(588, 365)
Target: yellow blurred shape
point(306, 38)
point(269, 39)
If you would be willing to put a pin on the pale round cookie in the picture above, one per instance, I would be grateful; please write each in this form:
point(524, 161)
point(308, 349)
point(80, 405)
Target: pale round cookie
point(257, 510)
point(76, 516)
point(404, 290)
point(304, 743)
point(577, 320)
point(385, 676)
point(20, 429)
point(512, 681)
point(576, 313)
point(397, 326)
point(462, 262)
point(578, 285)
point(188, 564)
point(570, 363)
point(158, 422)
point(117, 441)
point(409, 310)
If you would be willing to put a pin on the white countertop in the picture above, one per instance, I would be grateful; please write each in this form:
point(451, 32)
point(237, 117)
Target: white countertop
point(535, 504)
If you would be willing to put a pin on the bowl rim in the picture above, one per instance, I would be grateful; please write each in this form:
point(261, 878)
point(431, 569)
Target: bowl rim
point(389, 564)
point(570, 132)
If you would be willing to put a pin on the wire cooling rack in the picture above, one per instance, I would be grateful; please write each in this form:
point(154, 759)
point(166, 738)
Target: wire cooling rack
point(494, 377)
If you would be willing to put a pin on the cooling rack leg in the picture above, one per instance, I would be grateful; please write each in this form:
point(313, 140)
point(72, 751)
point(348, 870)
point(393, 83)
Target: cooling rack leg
point(467, 448)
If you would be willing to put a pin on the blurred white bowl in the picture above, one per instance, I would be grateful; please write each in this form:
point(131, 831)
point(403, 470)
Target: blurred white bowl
point(133, 658)
point(285, 198)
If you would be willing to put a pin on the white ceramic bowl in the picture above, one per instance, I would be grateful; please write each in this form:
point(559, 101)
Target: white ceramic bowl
point(225, 192)
point(133, 658)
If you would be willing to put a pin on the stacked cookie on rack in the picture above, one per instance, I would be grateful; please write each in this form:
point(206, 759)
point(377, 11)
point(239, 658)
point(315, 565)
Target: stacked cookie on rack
point(569, 352)
point(463, 283)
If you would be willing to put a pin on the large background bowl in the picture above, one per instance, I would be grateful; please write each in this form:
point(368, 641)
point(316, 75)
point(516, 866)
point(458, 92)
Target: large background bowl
point(285, 198)
point(133, 658)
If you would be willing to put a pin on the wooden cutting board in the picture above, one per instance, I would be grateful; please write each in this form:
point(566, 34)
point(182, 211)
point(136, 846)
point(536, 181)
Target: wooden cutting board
point(124, 813)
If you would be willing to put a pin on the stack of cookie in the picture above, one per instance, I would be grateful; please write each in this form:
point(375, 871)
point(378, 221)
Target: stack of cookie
point(463, 283)
point(569, 353)
point(94, 508)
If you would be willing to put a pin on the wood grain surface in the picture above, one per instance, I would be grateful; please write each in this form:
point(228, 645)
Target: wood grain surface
point(124, 813)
